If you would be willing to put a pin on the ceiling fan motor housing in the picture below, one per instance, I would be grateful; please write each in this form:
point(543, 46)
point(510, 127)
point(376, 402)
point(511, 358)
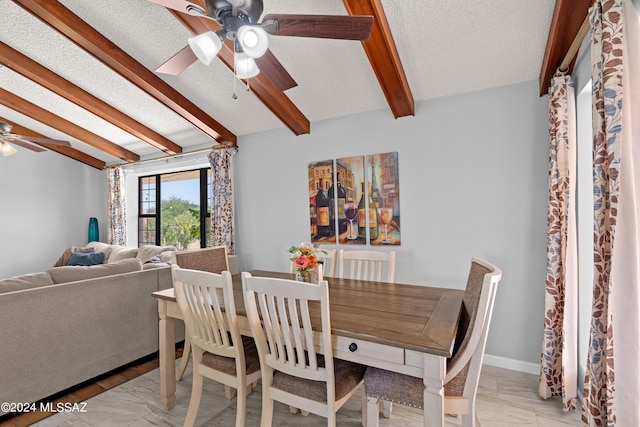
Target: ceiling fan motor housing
point(219, 9)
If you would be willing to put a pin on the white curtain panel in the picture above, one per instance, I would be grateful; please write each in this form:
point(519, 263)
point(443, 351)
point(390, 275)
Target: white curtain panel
point(625, 269)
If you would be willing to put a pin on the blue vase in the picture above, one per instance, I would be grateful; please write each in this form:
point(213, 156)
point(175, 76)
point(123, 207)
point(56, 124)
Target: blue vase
point(94, 233)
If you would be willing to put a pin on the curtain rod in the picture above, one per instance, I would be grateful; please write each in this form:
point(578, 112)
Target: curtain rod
point(575, 46)
point(155, 159)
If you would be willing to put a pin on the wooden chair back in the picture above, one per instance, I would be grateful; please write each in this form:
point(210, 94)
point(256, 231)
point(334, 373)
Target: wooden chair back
point(278, 313)
point(368, 265)
point(463, 369)
point(207, 305)
point(212, 260)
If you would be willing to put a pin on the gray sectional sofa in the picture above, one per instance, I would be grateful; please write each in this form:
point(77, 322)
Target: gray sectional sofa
point(69, 324)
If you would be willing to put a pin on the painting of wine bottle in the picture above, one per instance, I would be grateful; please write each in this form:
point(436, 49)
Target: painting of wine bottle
point(321, 206)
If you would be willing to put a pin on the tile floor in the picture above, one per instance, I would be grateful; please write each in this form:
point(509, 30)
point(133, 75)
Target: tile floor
point(505, 398)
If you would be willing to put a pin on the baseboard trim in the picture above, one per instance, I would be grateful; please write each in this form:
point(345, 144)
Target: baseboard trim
point(513, 364)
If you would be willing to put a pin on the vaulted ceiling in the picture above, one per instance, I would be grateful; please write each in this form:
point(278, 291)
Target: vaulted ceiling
point(83, 71)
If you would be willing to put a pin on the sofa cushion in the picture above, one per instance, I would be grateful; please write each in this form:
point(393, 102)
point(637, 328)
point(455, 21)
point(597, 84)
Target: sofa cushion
point(86, 259)
point(66, 255)
point(74, 273)
point(26, 281)
point(146, 252)
point(121, 252)
point(101, 247)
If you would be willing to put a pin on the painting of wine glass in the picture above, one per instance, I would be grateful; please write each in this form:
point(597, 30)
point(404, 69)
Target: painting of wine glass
point(384, 185)
point(349, 201)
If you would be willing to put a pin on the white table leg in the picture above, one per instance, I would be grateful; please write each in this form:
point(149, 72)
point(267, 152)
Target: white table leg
point(167, 357)
point(435, 368)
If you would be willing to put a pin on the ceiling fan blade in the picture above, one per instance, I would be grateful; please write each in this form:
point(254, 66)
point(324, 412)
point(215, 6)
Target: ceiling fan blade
point(44, 140)
point(182, 6)
point(320, 26)
point(178, 62)
point(24, 144)
point(275, 71)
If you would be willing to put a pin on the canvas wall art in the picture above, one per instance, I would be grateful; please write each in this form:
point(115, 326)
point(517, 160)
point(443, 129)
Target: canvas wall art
point(384, 185)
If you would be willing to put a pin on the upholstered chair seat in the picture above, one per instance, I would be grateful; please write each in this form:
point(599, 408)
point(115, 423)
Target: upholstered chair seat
point(347, 375)
point(227, 365)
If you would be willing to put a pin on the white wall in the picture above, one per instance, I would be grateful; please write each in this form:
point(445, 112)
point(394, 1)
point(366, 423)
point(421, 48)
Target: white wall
point(46, 201)
point(473, 182)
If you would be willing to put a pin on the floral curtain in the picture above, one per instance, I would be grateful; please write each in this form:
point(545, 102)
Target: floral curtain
point(599, 405)
point(116, 216)
point(558, 373)
point(222, 223)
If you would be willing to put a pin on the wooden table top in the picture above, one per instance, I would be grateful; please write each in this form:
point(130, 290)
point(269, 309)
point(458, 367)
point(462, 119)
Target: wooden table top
point(412, 317)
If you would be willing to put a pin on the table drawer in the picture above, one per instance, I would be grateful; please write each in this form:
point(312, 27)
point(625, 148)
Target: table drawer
point(365, 352)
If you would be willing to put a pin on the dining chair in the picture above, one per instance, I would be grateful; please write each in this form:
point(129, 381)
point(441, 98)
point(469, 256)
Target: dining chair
point(329, 261)
point(463, 369)
point(292, 372)
point(213, 260)
point(219, 351)
point(367, 265)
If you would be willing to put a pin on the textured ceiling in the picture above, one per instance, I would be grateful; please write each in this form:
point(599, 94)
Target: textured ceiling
point(446, 47)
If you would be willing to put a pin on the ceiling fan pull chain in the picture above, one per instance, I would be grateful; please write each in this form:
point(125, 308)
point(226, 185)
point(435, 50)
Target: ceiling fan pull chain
point(234, 96)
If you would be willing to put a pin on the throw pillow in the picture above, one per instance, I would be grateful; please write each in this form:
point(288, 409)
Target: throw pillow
point(86, 259)
point(66, 255)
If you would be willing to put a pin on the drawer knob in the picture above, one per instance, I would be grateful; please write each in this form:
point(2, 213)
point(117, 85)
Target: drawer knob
point(353, 347)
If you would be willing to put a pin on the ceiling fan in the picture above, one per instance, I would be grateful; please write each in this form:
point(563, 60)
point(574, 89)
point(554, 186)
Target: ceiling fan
point(239, 20)
point(8, 139)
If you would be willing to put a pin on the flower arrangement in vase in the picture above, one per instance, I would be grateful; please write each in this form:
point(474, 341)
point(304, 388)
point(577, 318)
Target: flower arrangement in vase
point(305, 259)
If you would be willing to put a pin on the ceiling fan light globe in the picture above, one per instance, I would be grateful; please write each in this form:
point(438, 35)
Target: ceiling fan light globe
point(245, 66)
point(205, 46)
point(253, 40)
point(7, 149)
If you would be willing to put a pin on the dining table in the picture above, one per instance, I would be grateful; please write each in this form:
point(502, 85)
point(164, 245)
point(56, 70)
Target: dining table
point(408, 329)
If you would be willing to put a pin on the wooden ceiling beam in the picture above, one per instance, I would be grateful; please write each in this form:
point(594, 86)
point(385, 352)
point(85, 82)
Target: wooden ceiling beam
point(30, 69)
point(70, 152)
point(73, 27)
point(568, 17)
point(275, 100)
point(29, 109)
point(384, 58)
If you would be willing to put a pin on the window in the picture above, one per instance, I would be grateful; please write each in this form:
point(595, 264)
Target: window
point(175, 209)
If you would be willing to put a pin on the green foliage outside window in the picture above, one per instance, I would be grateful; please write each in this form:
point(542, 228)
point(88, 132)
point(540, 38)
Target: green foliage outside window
point(180, 221)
